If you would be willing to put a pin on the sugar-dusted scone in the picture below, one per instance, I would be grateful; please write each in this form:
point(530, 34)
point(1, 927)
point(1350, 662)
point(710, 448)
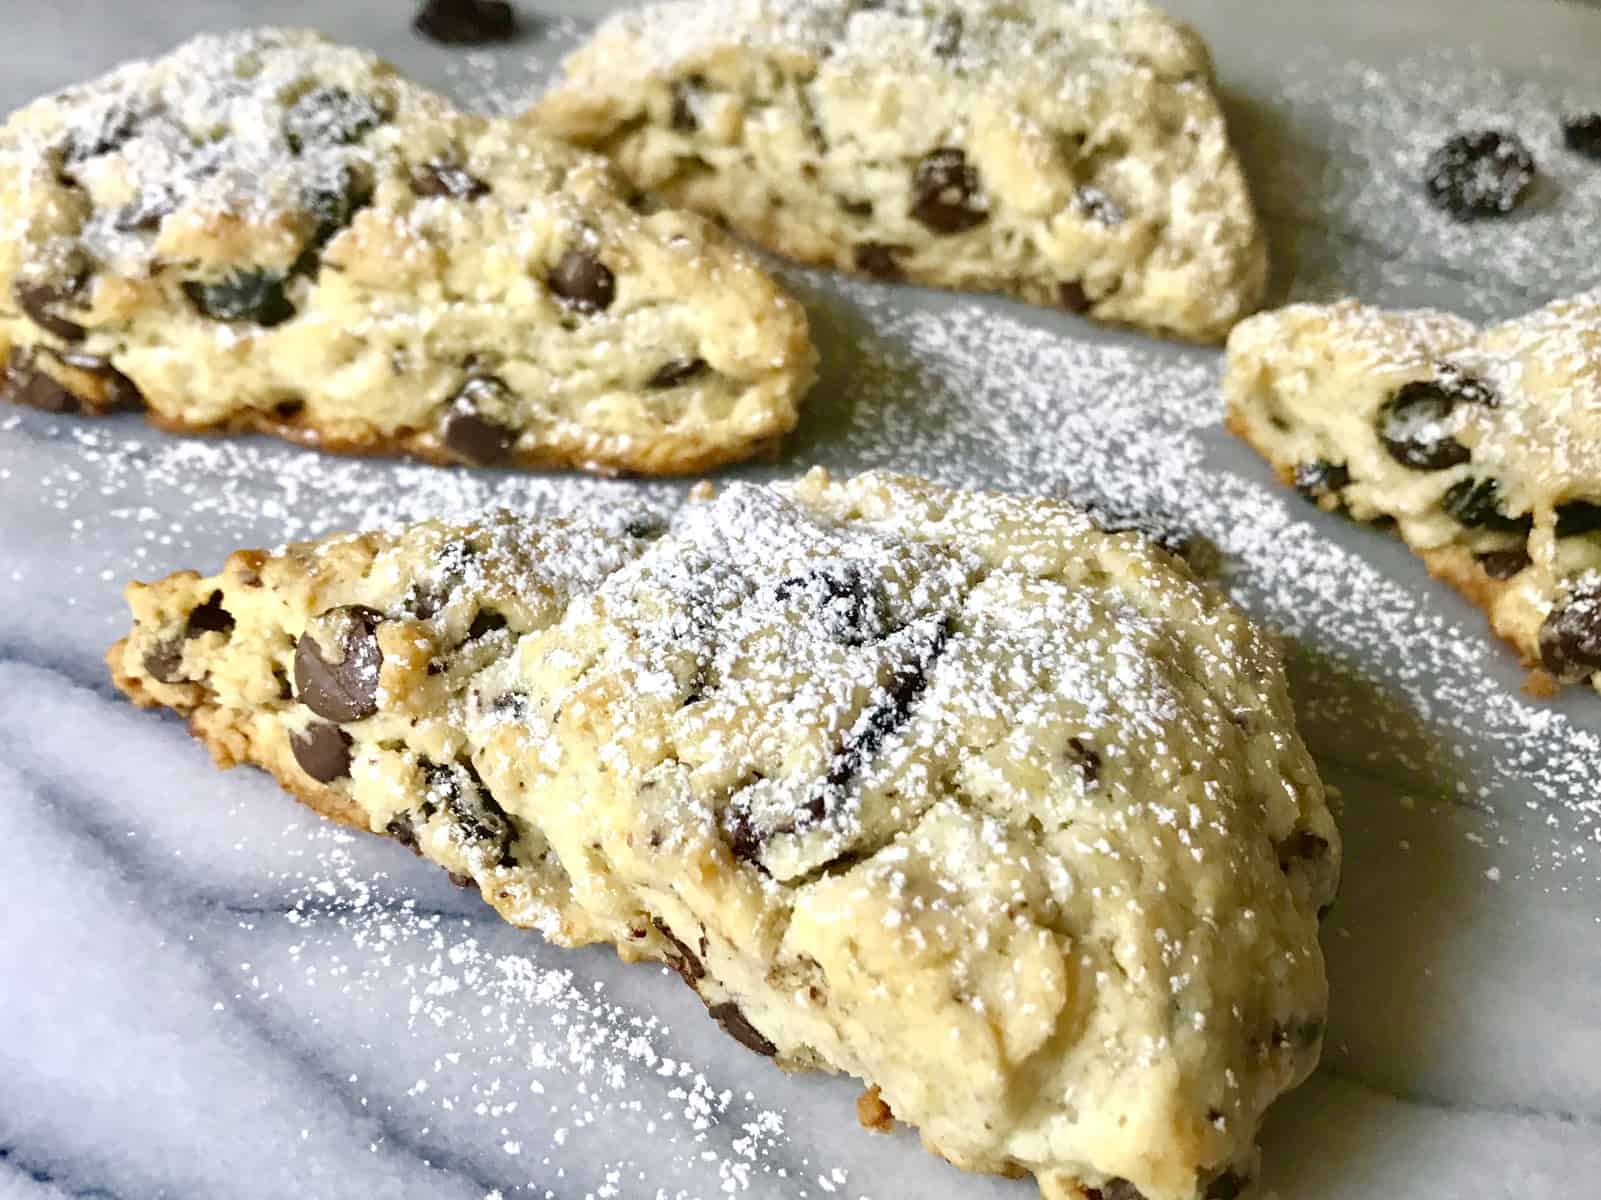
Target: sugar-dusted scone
point(955, 792)
point(265, 231)
point(1070, 152)
point(1482, 444)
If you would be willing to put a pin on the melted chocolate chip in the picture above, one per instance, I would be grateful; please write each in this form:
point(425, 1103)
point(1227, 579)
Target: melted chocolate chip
point(841, 598)
point(1581, 133)
point(1071, 295)
point(874, 727)
point(485, 621)
point(878, 259)
point(210, 617)
point(330, 116)
point(121, 392)
point(477, 815)
point(1570, 637)
point(250, 295)
point(945, 193)
point(1503, 564)
point(403, 829)
point(1410, 422)
point(1577, 517)
point(24, 382)
point(346, 688)
point(447, 179)
point(323, 751)
point(583, 282)
point(1482, 174)
point(1321, 479)
point(146, 211)
point(115, 128)
point(737, 1026)
point(1086, 759)
point(677, 372)
point(164, 660)
point(1115, 1189)
point(683, 960)
point(466, 22)
point(1475, 503)
point(1165, 531)
point(1226, 1185)
point(855, 208)
point(467, 429)
point(38, 301)
point(646, 525)
point(333, 203)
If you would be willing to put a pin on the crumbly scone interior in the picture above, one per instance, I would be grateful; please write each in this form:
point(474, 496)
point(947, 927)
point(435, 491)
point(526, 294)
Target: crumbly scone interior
point(1479, 444)
point(956, 793)
point(1070, 154)
point(268, 231)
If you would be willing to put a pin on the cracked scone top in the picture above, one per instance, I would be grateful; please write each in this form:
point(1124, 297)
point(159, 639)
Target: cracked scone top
point(952, 791)
point(266, 231)
point(1070, 152)
point(1482, 444)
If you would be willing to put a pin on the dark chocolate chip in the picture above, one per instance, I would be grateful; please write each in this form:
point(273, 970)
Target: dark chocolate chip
point(466, 22)
point(684, 960)
point(1576, 517)
point(1115, 1189)
point(1570, 637)
point(842, 598)
point(39, 299)
point(737, 1026)
point(333, 203)
point(403, 828)
point(1112, 516)
point(146, 211)
point(687, 95)
point(1481, 174)
point(1321, 479)
point(322, 750)
point(24, 382)
point(945, 192)
point(1475, 503)
point(1098, 206)
point(676, 372)
point(517, 705)
point(1503, 564)
point(288, 410)
point(1086, 759)
point(461, 881)
point(485, 621)
point(346, 688)
point(947, 36)
point(856, 208)
point(113, 129)
point(1071, 295)
point(1581, 133)
point(645, 525)
point(467, 429)
point(250, 295)
point(457, 788)
point(583, 282)
point(875, 726)
point(1410, 422)
point(210, 617)
point(878, 259)
point(447, 179)
point(330, 116)
point(1304, 846)
point(121, 392)
point(1227, 1184)
point(164, 660)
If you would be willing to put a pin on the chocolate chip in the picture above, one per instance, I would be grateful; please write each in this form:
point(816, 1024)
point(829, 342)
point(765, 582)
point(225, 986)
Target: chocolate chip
point(467, 429)
point(947, 36)
point(249, 295)
point(1576, 517)
point(346, 688)
point(1321, 479)
point(121, 392)
point(1475, 503)
point(878, 260)
point(112, 129)
point(873, 728)
point(1480, 174)
point(1570, 637)
point(945, 192)
point(1581, 133)
point(447, 179)
point(288, 410)
point(1304, 846)
point(38, 300)
point(646, 525)
point(1111, 516)
point(164, 660)
point(403, 828)
point(684, 960)
point(479, 818)
point(1226, 1185)
point(322, 750)
point(1086, 759)
point(210, 617)
point(330, 116)
point(24, 382)
point(687, 97)
point(737, 1026)
point(1072, 296)
point(583, 282)
point(146, 211)
point(1114, 1189)
point(466, 22)
point(1410, 423)
point(1098, 206)
point(855, 208)
point(333, 203)
point(841, 598)
point(676, 372)
point(1503, 564)
point(485, 621)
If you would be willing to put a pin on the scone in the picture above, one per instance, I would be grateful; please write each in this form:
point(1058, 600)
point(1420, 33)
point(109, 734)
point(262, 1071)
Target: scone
point(1482, 445)
point(265, 231)
point(955, 792)
point(1069, 152)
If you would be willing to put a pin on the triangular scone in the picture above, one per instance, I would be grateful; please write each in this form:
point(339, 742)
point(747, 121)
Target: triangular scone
point(265, 231)
point(955, 792)
point(1070, 152)
point(1482, 444)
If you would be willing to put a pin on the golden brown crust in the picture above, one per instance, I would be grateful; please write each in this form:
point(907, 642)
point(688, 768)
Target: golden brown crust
point(872, 1113)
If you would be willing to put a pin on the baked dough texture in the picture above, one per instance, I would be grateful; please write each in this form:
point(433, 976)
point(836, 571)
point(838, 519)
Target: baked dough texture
point(1068, 152)
point(955, 792)
point(1482, 444)
point(265, 231)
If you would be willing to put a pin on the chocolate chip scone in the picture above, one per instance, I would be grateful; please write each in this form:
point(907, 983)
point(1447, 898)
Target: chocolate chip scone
point(1069, 152)
point(1483, 445)
point(1005, 814)
point(265, 231)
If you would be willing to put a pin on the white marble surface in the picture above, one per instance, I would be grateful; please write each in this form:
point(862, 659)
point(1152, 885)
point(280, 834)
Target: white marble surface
point(206, 993)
